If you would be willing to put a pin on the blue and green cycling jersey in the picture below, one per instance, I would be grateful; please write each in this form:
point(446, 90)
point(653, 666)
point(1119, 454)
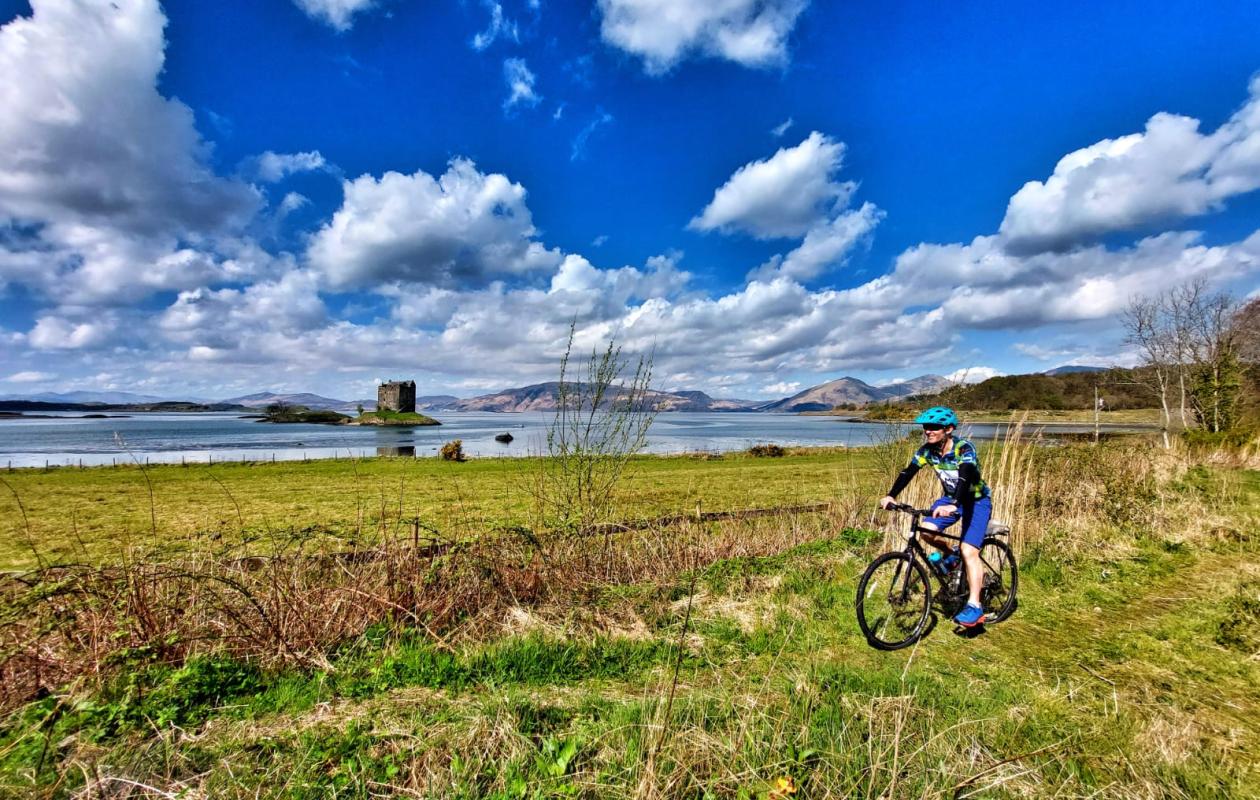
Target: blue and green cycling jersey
point(948, 464)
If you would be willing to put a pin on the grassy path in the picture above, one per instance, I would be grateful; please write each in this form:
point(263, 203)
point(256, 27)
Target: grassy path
point(1107, 682)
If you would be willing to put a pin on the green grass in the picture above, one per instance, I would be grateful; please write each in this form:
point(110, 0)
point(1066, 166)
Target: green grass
point(1129, 669)
point(400, 418)
point(1110, 680)
point(106, 509)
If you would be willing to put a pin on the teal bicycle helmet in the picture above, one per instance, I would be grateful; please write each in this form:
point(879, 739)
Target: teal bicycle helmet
point(937, 415)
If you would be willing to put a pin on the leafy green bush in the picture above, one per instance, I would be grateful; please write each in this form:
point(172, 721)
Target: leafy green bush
point(1236, 437)
point(888, 411)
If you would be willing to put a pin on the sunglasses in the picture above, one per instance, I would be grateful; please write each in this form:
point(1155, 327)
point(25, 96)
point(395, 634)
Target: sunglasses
point(932, 428)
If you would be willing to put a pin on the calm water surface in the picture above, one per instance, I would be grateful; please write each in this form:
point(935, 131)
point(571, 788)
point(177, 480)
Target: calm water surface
point(70, 438)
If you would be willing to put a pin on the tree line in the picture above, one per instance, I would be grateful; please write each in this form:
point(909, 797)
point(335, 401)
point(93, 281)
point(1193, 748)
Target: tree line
point(1200, 351)
point(1199, 365)
point(1116, 388)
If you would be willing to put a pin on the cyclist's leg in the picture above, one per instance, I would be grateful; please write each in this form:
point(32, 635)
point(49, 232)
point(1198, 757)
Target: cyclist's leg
point(974, 527)
point(938, 524)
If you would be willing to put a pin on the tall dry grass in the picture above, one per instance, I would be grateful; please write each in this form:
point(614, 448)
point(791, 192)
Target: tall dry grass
point(81, 625)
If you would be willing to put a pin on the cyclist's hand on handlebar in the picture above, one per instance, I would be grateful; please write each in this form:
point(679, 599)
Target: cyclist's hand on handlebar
point(887, 502)
point(945, 511)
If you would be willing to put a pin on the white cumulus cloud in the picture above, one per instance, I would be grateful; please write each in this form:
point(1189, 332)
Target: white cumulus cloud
point(271, 167)
point(460, 228)
point(337, 14)
point(56, 333)
point(289, 306)
point(292, 202)
point(1170, 170)
point(782, 388)
point(825, 244)
point(973, 374)
point(111, 221)
point(781, 196)
point(68, 153)
point(794, 193)
point(753, 33)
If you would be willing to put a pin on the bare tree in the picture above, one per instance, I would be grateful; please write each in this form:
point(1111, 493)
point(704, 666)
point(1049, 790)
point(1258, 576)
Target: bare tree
point(1213, 350)
point(602, 419)
point(1246, 325)
point(1181, 304)
point(1149, 327)
point(1189, 340)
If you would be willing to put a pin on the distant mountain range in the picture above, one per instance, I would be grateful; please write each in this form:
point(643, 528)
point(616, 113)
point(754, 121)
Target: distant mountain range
point(543, 397)
point(109, 398)
point(436, 402)
point(851, 391)
point(311, 401)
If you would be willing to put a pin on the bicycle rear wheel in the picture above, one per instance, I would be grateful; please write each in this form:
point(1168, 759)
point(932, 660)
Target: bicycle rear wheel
point(894, 600)
point(1001, 579)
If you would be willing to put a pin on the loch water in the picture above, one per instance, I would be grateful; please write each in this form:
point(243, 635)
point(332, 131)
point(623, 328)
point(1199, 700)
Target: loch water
point(72, 438)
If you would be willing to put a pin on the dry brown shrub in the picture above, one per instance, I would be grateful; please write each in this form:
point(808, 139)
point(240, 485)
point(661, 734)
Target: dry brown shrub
point(82, 623)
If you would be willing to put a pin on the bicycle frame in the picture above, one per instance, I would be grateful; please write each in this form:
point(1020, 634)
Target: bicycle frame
point(915, 549)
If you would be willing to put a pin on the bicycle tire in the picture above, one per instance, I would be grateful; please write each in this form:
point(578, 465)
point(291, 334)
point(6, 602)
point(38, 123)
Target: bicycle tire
point(1001, 573)
point(908, 613)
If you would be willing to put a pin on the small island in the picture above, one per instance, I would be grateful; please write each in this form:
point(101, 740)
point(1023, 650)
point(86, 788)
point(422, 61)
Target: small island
point(395, 406)
point(286, 414)
point(407, 418)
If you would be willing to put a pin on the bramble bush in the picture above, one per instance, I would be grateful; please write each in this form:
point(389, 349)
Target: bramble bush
point(454, 451)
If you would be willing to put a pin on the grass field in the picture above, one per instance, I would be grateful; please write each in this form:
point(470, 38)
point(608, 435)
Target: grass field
point(697, 660)
point(98, 511)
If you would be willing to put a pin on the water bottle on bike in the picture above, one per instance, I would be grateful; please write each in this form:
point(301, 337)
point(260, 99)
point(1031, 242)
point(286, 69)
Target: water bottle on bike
point(943, 564)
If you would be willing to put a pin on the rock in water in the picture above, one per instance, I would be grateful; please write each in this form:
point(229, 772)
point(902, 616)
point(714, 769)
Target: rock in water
point(503, 437)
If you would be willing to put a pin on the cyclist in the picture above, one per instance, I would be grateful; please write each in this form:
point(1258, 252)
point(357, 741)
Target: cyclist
point(965, 497)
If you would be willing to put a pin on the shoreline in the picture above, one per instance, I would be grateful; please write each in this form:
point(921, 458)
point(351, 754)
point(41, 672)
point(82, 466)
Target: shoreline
point(204, 458)
point(1137, 427)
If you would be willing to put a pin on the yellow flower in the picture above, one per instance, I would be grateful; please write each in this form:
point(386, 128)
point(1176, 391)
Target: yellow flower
point(783, 787)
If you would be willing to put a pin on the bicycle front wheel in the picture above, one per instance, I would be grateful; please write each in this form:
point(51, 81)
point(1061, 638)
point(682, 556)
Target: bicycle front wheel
point(894, 600)
point(1001, 579)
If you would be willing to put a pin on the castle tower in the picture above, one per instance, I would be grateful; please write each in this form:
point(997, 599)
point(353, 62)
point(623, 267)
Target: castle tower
point(397, 396)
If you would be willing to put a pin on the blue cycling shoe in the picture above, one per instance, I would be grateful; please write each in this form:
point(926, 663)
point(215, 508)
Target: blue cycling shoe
point(970, 616)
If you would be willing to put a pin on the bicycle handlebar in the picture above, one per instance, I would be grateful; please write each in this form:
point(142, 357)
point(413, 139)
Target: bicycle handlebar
point(909, 509)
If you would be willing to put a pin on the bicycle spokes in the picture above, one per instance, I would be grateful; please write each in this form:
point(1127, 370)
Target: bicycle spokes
point(893, 601)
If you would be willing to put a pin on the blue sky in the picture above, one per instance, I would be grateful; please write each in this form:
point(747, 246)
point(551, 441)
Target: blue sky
point(204, 199)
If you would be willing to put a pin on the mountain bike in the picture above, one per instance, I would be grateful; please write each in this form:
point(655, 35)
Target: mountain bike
point(894, 596)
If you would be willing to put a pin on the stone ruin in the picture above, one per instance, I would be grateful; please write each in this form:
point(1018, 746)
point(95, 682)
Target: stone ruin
point(397, 396)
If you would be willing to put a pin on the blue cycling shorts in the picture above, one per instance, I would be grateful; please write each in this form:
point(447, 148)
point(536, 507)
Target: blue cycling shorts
point(976, 525)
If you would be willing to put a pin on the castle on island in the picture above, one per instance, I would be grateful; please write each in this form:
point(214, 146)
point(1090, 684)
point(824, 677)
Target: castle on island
point(399, 396)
